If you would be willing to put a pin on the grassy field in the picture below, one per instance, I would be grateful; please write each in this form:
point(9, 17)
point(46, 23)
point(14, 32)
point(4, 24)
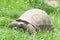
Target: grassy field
point(12, 9)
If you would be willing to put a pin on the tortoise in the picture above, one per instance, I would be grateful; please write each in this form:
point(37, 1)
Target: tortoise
point(33, 20)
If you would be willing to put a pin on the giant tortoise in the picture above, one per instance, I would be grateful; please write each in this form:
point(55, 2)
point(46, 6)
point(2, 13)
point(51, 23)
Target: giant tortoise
point(33, 20)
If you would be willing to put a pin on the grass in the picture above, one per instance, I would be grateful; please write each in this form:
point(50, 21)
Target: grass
point(12, 9)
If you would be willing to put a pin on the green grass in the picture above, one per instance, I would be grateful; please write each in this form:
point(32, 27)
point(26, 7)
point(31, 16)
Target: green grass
point(12, 9)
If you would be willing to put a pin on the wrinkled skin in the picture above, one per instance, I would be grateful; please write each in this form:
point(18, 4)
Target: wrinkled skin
point(25, 27)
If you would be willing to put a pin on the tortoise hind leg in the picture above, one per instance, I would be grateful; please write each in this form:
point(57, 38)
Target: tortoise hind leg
point(51, 28)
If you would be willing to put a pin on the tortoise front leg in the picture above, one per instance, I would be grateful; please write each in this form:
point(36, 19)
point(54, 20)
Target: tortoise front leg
point(31, 29)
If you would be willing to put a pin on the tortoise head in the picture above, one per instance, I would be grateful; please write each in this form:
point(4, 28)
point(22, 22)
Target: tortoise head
point(16, 24)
